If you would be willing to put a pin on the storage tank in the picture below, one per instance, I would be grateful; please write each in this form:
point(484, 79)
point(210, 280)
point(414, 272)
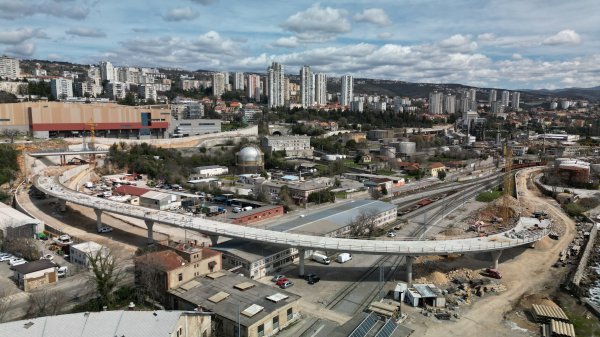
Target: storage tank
point(407, 148)
point(388, 151)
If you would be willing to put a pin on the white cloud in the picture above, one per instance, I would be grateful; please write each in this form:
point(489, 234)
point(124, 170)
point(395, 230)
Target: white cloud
point(458, 42)
point(180, 14)
point(375, 16)
point(86, 32)
point(385, 35)
point(286, 42)
point(15, 9)
point(564, 37)
point(22, 49)
point(318, 24)
point(20, 35)
point(204, 2)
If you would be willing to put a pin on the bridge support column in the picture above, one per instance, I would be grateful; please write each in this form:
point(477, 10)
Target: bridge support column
point(98, 218)
point(214, 239)
point(301, 253)
point(62, 205)
point(409, 264)
point(495, 257)
point(149, 225)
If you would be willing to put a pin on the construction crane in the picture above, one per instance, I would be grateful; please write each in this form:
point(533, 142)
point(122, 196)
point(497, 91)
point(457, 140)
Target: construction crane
point(508, 182)
point(92, 127)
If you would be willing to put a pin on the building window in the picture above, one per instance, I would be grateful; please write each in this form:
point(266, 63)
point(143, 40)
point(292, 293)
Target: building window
point(275, 322)
point(261, 330)
point(180, 276)
point(290, 314)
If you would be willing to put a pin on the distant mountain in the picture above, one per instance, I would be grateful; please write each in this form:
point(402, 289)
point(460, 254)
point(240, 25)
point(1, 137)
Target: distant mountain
point(591, 94)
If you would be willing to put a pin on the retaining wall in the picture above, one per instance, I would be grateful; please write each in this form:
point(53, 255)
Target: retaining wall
point(68, 174)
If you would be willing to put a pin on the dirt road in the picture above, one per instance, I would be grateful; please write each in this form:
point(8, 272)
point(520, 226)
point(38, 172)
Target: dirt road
point(530, 272)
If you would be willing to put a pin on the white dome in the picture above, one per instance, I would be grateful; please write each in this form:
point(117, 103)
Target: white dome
point(249, 154)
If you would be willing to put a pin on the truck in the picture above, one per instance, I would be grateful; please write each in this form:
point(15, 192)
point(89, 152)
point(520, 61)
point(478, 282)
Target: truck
point(321, 258)
point(344, 257)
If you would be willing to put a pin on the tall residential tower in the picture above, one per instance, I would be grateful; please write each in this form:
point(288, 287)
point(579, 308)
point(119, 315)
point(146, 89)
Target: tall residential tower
point(347, 90)
point(276, 85)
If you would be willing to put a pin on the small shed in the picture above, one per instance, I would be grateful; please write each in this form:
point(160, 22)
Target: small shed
point(35, 274)
point(420, 295)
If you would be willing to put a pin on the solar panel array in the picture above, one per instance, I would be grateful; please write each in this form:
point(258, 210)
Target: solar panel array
point(387, 330)
point(365, 326)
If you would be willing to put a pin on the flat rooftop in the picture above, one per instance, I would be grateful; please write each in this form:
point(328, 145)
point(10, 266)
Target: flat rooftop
point(333, 219)
point(223, 295)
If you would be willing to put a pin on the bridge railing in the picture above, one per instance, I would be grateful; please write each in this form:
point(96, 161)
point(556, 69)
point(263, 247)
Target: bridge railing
point(495, 242)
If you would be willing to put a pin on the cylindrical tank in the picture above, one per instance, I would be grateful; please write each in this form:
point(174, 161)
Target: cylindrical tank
point(553, 105)
point(407, 148)
point(388, 151)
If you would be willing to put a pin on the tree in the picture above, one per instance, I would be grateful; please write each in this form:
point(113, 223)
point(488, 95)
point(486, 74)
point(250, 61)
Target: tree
point(11, 134)
point(384, 190)
point(441, 175)
point(106, 274)
point(363, 224)
point(286, 197)
point(46, 302)
point(5, 305)
point(128, 100)
point(376, 194)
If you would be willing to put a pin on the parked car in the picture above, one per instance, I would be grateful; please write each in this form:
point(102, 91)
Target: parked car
point(105, 229)
point(286, 284)
point(281, 281)
point(391, 235)
point(62, 271)
point(6, 257)
point(15, 262)
point(312, 278)
point(493, 273)
point(49, 257)
point(277, 278)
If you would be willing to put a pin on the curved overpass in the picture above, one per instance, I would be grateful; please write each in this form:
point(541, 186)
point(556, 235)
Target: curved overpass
point(497, 242)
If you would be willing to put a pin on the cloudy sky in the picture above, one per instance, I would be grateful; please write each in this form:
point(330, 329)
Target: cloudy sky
point(499, 43)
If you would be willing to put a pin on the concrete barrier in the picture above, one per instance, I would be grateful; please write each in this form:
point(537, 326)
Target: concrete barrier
point(587, 252)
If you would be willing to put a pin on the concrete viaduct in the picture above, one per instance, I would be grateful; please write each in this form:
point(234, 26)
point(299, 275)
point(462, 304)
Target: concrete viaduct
point(494, 244)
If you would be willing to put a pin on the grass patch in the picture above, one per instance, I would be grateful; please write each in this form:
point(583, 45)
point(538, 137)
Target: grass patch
point(340, 195)
point(489, 196)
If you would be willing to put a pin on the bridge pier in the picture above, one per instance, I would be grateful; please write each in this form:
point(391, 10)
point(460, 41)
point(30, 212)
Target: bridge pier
point(214, 239)
point(301, 253)
point(495, 257)
point(150, 224)
point(409, 264)
point(98, 218)
point(62, 205)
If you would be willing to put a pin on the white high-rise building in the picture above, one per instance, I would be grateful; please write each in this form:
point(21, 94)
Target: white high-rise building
point(147, 91)
point(107, 71)
point(516, 100)
point(9, 67)
point(505, 98)
point(226, 78)
point(61, 88)
point(276, 85)
point(492, 97)
point(238, 81)
point(436, 103)
point(218, 84)
point(449, 104)
point(253, 88)
point(116, 90)
point(307, 87)
point(347, 90)
point(321, 89)
point(94, 75)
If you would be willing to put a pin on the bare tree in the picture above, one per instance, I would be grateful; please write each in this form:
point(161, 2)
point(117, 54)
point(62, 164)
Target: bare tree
point(363, 224)
point(11, 134)
point(5, 306)
point(150, 280)
point(24, 247)
point(106, 273)
point(46, 302)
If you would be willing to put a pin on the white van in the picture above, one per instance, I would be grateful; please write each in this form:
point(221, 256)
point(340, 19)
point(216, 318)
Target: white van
point(344, 257)
point(236, 209)
point(321, 258)
point(247, 208)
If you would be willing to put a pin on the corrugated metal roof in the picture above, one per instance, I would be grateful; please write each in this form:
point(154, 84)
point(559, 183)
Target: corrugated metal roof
point(546, 311)
point(96, 324)
point(562, 329)
point(154, 195)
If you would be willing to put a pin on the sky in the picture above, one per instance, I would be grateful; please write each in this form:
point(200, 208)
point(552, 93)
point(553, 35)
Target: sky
point(529, 44)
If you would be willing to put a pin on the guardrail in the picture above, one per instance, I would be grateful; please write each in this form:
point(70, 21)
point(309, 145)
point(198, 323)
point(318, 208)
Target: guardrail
point(52, 186)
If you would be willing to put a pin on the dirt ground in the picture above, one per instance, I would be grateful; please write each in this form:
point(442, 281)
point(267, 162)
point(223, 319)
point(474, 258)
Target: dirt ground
point(526, 272)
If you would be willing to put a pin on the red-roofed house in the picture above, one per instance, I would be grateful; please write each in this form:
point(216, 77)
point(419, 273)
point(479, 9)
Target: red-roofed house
point(130, 190)
point(167, 269)
point(434, 168)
